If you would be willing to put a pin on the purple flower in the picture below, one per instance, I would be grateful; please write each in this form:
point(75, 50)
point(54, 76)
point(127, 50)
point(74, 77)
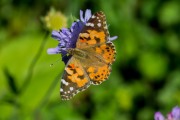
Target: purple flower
point(173, 115)
point(176, 113)
point(158, 116)
point(68, 37)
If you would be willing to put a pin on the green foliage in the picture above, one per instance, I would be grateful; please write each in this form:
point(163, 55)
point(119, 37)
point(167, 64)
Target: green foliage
point(145, 77)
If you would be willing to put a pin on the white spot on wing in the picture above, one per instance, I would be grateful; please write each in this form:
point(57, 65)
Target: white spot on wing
point(105, 27)
point(71, 88)
point(99, 24)
point(93, 16)
point(61, 90)
point(64, 82)
point(90, 24)
point(87, 24)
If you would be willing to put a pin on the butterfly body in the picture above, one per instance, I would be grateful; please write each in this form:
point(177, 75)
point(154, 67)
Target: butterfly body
point(78, 53)
point(91, 59)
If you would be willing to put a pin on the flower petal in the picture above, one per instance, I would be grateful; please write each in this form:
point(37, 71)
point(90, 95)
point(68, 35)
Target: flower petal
point(52, 51)
point(158, 116)
point(81, 16)
point(66, 32)
point(62, 35)
point(113, 38)
point(87, 15)
point(176, 113)
point(55, 35)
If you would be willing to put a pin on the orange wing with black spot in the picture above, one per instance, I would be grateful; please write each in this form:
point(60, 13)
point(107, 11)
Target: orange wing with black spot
point(105, 52)
point(93, 39)
point(98, 74)
point(105, 56)
point(94, 32)
point(73, 80)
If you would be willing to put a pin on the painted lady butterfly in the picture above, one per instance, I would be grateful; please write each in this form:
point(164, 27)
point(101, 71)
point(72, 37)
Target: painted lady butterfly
point(91, 59)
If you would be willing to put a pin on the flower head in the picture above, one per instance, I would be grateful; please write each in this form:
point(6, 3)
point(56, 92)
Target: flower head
point(68, 37)
point(173, 115)
point(55, 20)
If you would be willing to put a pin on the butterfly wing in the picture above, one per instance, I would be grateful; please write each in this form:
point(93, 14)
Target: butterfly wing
point(104, 52)
point(93, 39)
point(103, 56)
point(94, 32)
point(73, 80)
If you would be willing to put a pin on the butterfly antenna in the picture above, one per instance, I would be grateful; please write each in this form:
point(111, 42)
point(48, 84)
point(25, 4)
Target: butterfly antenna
point(54, 62)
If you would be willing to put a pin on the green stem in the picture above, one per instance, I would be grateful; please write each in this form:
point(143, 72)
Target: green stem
point(33, 63)
point(47, 95)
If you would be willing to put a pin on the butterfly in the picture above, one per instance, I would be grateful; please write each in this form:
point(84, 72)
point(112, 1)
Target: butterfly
point(91, 59)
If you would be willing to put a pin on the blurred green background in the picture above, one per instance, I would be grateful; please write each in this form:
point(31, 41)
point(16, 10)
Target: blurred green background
point(145, 77)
